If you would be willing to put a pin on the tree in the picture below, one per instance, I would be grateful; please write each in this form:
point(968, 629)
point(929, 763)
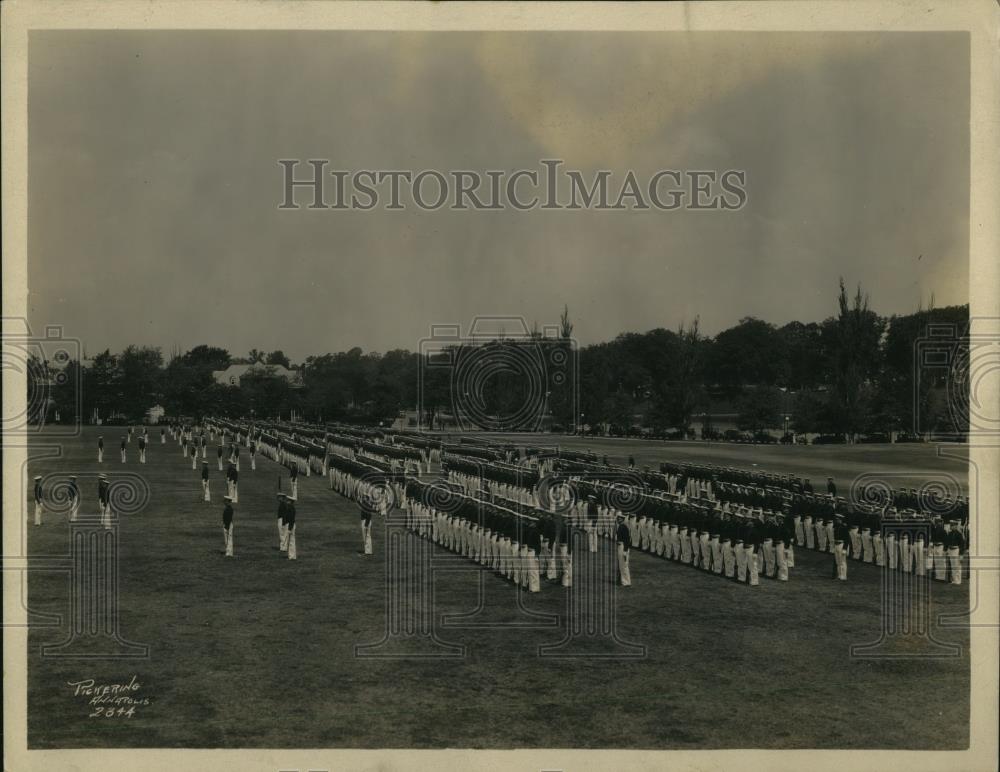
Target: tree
point(277, 358)
point(139, 377)
point(100, 389)
point(750, 354)
point(619, 408)
point(806, 362)
point(565, 325)
point(685, 390)
point(810, 414)
point(856, 335)
point(207, 358)
point(913, 391)
point(255, 356)
point(759, 409)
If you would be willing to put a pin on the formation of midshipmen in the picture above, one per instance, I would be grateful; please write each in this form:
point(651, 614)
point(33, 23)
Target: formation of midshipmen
point(516, 517)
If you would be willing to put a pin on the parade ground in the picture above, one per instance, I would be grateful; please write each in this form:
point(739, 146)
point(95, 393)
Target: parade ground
point(260, 651)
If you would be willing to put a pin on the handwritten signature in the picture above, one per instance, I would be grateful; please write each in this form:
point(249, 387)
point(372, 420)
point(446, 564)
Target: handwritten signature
point(110, 699)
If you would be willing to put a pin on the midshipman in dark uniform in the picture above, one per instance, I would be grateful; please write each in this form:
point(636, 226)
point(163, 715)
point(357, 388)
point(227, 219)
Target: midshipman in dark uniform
point(124, 444)
point(204, 481)
point(221, 452)
point(104, 499)
point(623, 544)
point(38, 499)
point(281, 520)
point(227, 525)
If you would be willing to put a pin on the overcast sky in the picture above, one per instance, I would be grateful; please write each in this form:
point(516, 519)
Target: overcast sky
point(154, 183)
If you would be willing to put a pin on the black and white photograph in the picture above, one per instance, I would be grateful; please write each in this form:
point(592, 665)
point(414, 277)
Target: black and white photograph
point(500, 386)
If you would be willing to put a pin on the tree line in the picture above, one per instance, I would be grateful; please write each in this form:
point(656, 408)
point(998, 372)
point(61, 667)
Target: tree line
point(856, 373)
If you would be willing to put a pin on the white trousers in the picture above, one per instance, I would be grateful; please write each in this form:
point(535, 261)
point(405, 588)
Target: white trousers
point(940, 563)
point(781, 560)
point(867, 547)
point(840, 557)
point(955, 563)
point(753, 566)
point(919, 564)
point(227, 535)
point(533, 577)
point(204, 486)
point(292, 553)
point(729, 558)
point(567, 565)
point(624, 575)
point(38, 513)
point(366, 537)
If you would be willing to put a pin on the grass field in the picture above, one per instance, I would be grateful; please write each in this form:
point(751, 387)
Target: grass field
point(258, 651)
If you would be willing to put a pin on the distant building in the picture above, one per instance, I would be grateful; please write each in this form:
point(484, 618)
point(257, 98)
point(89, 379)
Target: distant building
point(233, 374)
point(154, 414)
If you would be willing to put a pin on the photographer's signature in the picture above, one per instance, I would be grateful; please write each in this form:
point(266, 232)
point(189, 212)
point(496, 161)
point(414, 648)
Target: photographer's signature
point(110, 700)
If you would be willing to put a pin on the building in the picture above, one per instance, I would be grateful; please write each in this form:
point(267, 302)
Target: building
point(233, 374)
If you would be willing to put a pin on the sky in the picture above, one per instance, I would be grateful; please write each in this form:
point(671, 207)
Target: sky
point(154, 184)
